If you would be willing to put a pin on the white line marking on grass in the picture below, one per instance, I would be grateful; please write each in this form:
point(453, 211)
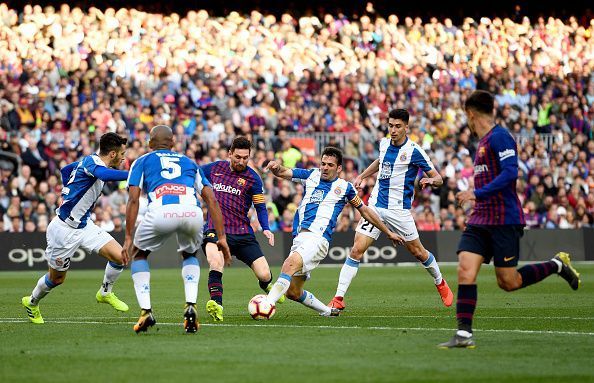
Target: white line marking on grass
point(478, 317)
point(360, 316)
point(376, 328)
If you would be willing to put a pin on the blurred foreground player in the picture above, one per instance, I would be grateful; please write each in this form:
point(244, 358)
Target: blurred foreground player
point(496, 223)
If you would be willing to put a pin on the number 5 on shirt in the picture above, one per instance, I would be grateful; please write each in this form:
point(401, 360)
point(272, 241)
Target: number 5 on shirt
point(171, 168)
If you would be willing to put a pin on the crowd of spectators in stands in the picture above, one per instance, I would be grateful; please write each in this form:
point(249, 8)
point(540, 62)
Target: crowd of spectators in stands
point(67, 76)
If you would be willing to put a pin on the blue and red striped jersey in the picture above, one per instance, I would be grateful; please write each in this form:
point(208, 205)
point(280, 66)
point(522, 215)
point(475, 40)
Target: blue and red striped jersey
point(495, 177)
point(236, 192)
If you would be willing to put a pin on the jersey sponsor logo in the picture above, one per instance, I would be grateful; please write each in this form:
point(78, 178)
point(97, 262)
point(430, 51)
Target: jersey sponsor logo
point(170, 189)
point(317, 196)
point(183, 214)
point(478, 169)
point(386, 171)
point(506, 154)
point(226, 189)
point(241, 181)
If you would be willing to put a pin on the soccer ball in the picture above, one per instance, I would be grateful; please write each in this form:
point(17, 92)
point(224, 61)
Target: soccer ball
point(260, 309)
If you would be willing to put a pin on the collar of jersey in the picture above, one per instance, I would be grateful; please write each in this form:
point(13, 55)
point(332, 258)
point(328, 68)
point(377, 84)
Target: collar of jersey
point(399, 146)
point(321, 180)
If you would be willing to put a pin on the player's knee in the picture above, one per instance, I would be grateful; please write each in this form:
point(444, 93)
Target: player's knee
point(357, 252)
point(508, 284)
point(58, 279)
point(465, 274)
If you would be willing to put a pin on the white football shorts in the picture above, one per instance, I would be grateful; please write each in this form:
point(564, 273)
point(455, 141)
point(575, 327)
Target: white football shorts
point(159, 222)
point(312, 248)
point(400, 221)
point(63, 241)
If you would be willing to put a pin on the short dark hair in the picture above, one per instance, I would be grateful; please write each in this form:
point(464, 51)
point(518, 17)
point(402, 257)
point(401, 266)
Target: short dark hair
point(110, 141)
point(399, 114)
point(333, 152)
point(481, 101)
point(241, 143)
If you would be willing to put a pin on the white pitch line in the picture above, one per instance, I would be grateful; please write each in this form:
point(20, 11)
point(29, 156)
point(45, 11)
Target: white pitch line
point(364, 316)
point(378, 328)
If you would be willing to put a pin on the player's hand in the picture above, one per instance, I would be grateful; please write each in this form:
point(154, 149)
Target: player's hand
point(273, 166)
point(126, 251)
point(270, 235)
point(465, 196)
point(426, 182)
point(396, 239)
point(224, 248)
point(357, 183)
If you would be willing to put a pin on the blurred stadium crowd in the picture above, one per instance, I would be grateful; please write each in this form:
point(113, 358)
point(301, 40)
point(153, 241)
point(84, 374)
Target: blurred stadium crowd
point(68, 76)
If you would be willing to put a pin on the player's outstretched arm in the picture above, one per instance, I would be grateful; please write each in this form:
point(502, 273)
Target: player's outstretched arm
point(434, 179)
point(371, 170)
point(279, 171)
point(216, 215)
point(106, 174)
point(131, 216)
point(372, 217)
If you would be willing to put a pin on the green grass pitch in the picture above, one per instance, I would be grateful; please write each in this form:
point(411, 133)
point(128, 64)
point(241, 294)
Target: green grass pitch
point(389, 332)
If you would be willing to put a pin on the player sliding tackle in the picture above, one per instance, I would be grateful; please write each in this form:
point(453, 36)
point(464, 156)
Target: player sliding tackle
point(324, 198)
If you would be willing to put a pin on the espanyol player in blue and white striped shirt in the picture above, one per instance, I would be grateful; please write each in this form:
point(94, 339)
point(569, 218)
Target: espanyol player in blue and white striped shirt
point(325, 197)
point(399, 164)
point(72, 229)
point(172, 182)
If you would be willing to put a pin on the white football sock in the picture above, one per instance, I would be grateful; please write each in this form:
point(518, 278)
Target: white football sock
point(142, 283)
point(43, 287)
point(112, 273)
point(432, 267)
point(309, 300)
point(191, 276)
point(279, 288)
point(347, 274)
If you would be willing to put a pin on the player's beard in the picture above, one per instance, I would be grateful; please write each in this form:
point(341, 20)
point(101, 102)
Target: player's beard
point(238, 168)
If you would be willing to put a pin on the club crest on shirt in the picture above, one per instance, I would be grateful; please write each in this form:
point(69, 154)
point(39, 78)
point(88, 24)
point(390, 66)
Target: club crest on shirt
point(337, 191)
point(481, 151)
point(403, 157)
point(241, 181)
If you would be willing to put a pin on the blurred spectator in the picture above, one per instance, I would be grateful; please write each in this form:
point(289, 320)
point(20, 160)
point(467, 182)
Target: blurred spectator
point(90, 72)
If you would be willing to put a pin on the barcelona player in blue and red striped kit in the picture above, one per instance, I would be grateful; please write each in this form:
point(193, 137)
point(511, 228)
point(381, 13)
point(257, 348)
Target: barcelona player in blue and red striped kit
point(237, 187)
point(496, 222)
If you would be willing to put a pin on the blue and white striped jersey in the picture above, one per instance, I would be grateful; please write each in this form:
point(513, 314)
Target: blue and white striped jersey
point(398, 169)
point(168, 178)
point(83, 188)
point(322, 202)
